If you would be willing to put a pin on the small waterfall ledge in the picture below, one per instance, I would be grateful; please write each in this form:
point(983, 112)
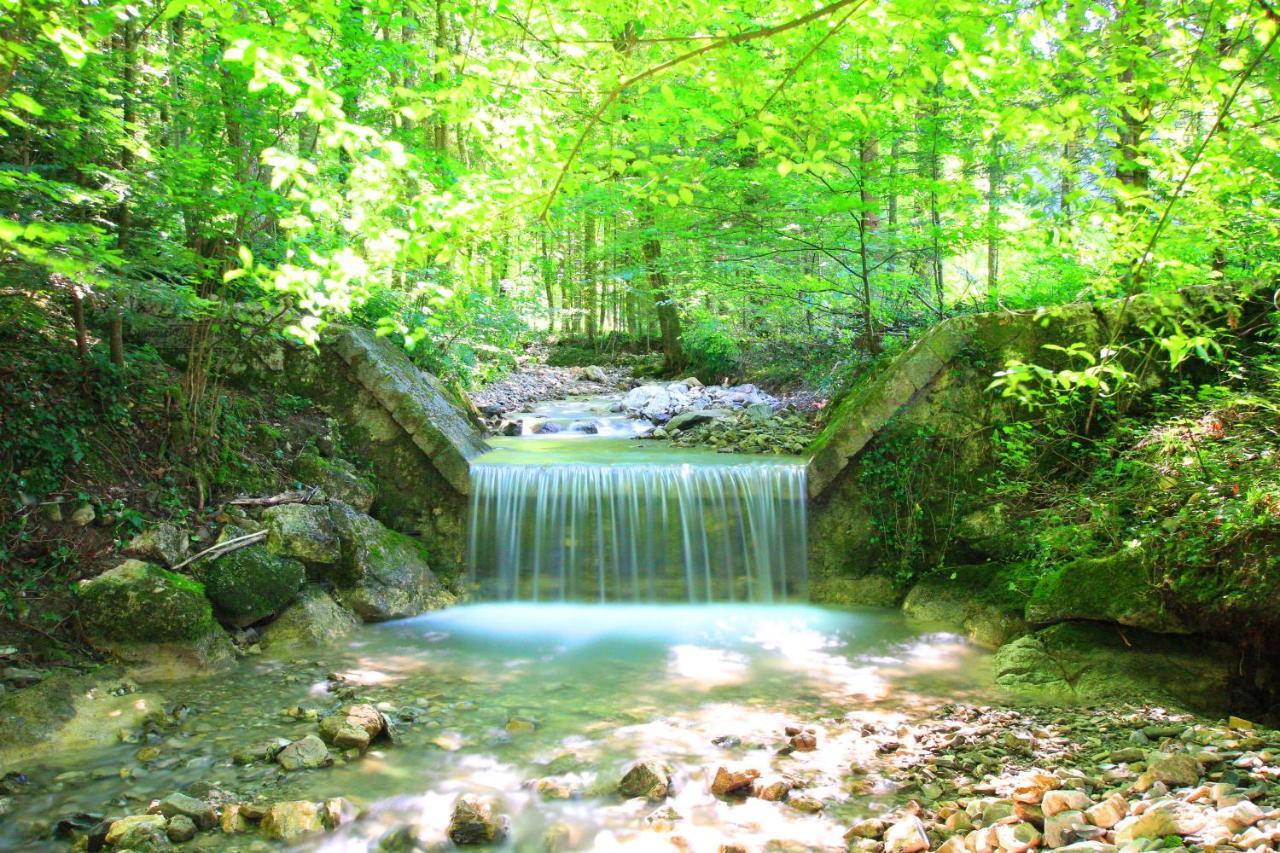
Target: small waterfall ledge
point(651, 531)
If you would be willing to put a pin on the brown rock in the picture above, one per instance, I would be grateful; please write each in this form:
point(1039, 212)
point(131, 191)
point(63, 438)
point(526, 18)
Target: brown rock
point(804, 742)
point(290, 820)
point(773, 789)
point(732, 781)
point(1109, 812)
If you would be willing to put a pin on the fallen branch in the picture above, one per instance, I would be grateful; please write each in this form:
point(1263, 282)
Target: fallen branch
point(298, 496)
point(225, 547)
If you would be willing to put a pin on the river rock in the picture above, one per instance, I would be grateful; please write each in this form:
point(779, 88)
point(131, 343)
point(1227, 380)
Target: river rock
point(1176, 769)
point(647, 779)
point(144, 832)
point(1108, 589)
point(1154, 823)
point(473, 822)
point(1059, 827)
point(180, 829)
point(307, 753)
point(200, 812)
point(304, 532)
point(290, 820)
point(383, 574)
point(1109, 812)
point(692, 418)
point(773, 789)
point(337, 478)
point(141, 612)
point(84, 515)
point(353, 727)
point(732, 781)
point(164, 543)
point(314, 619)
point(906, 836)
point(1061, 801)
point(249, 584)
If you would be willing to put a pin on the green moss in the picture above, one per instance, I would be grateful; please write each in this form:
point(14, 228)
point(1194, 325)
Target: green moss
point(251, 583)
point(138, 602)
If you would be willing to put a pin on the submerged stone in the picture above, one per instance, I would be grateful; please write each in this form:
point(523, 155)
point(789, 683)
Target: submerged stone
point(473, 822)
point(647, 779)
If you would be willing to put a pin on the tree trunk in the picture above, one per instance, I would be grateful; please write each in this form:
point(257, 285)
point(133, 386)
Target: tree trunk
point(589, 277)
point(668, 316)
point(868, 221)
point(995, 176)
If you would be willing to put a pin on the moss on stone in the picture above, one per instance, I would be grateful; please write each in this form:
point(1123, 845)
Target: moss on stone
point(249, 584)
point(139, 602)
point(1115, 588)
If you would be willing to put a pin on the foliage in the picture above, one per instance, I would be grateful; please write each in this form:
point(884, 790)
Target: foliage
point(712, 351)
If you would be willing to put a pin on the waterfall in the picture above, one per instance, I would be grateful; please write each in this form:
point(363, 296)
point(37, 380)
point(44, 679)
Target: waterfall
point(639, 532)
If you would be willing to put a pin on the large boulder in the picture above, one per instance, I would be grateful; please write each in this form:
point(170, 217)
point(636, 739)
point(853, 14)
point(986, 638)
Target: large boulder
point(1093, 662)
point(383, 574)
point(249, 584)
point(337, 478)
point(1107, 589)
point(972, 598)
point(139, 611)
point(314, 619)
point(302, 531)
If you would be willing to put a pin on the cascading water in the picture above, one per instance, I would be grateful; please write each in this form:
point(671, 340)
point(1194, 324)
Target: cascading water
point(604, 519)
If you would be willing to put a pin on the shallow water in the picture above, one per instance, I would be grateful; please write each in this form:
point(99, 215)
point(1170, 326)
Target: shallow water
point(601, 685)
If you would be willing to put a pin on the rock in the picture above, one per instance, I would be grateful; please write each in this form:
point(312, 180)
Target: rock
point(872, 827)
point(337, 478)
point(1055, 802)
point(759, 412)
point(1154, 823)
point(199, 812)
point(232, 821)
point(338, 811)
point(1177, 769)
point(1017, 837)
point(144, 832)
point(1108, 589)
point(383, 574)
point(808, 805)
point(83, 516)
point(140, 611)
point(1088, 662)
point(733, 781)
point(1109, 812)
point(647, 779)
point(595, 374)
point(1059, 827)
point(692, 418)
point(164, 543)
point(473, 822)
point(304, 754)
point(354, 727)
point(19, 677)
point(290, 820)
point(180, 829)
point(304, 532)
point(906, 836)
point(773, 789)
point(546, 428)
point(804, 742)
point(249, 584)
point(314, 619)
point(586, 427)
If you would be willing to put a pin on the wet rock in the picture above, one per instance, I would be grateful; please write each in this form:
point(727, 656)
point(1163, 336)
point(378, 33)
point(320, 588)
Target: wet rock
point(692, 418)
point(473, 822)
point(772, 789)
point(164, 543)
point(664, 818)
point(1017, 837)
point(804, 741)
point(353, 727)
point(808, 805)
point(314, 619)
point(249, 584)
point(906, 836)
point(647, 779)
point(383, 574)
point(141, 612)
point(1107, 589)
point(307, 753)
point(546, 428)
point(338, 811)
point(180, 829)
point(872, 827)
point(290, 820)
point(146, 832)
point(337, 478)
point(232, 821)
point(198, 811)
point(304, 532)
point(733, 781)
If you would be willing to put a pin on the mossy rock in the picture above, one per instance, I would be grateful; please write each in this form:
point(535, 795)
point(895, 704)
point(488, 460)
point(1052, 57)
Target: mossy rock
point(383, 574)
point(140, 612)
point(1106, 589)
point(314, 619)
point(1083, 662)
point(338, 478)
point(249, 584)
point(865, 591)
point(974, 599)
point(304, 532)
